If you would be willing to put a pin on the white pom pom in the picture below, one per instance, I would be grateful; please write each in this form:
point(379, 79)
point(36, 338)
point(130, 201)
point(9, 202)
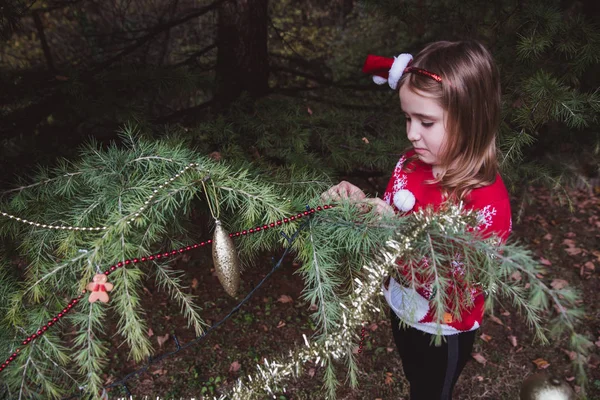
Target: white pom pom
point(397, 69)
point(404, 200)
point(380, 80)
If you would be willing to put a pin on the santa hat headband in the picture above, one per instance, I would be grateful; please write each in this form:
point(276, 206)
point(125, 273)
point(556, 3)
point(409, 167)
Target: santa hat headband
point(390, 70)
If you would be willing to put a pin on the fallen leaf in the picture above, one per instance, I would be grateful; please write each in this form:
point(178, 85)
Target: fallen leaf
point(597, 254)
point(388, 378)
point(365, 140)
point(311, 372)
point(373, 327)
point(479, 378)
point(593, 360)
point(505, 313)
point(265, 328)
point(159, 372)
point(570, 234)
point(571, 354)
point(309, 111)
point(590, 266)
point(548, 236)
point(573, 251)
point(485, 338)
point(150, 332)
point(281, 324)
point(515, 276)
point(513, 340)
point(541, 363)
point(194, 283)
point(569, 242)
point(570, 378)
point(479, 358)
point(389, 349)
point(216, 347)
point(162, 339)
point(543, 261)
point(558, 284)
point(496, 320)
point(285, 299)
point(235, 366)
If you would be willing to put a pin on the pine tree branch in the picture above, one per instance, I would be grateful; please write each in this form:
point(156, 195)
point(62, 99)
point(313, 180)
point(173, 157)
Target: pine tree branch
point(53, 272)
point(189, 308)
point(25, 367)
point(321, 79)
point(177, 115)
point(315, 264)
point(154, 32)
point(291, 93)
point(20, 188)
point(192, 57)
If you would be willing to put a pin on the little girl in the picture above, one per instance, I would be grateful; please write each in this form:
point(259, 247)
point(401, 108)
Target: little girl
point(450, 96)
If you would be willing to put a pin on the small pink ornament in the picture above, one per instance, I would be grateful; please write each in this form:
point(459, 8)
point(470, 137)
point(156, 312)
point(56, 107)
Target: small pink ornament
point(404, 200)
point(98, 288)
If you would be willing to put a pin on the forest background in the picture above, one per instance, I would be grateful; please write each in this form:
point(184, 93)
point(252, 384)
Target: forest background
point(277, 84)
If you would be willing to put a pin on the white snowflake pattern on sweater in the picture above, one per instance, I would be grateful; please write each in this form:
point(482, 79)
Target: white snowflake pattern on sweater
point(399, 181)
point(484, 216)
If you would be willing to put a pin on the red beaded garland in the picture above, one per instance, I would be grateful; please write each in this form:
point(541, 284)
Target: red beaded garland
point(120, 264)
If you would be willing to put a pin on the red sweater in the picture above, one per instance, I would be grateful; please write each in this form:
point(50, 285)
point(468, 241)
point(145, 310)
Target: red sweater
point(493, 206)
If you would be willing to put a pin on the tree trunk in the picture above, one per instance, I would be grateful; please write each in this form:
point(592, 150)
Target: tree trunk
point(242, 59)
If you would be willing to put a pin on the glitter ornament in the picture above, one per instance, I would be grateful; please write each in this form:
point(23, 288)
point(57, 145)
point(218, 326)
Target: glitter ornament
point(404, 200)
point(226, 260)
point(98, 288)
point(543, 387)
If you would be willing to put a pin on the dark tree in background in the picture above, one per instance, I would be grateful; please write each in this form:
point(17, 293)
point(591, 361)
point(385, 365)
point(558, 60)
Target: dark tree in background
point(242, 55)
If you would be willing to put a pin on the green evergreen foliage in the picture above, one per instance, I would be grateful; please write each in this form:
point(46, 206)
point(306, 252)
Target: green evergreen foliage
point(106, 188)
point(279, 152)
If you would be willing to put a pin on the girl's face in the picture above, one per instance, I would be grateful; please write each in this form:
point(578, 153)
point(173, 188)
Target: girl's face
point(425, 124)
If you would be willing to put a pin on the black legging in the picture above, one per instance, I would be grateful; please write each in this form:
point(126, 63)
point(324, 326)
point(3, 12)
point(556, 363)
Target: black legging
point(431, 370)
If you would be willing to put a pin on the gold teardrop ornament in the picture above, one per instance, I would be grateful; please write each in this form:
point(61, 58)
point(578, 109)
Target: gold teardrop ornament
point(226, 260)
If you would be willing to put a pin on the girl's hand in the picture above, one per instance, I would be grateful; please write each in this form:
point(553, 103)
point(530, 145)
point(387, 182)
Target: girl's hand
point(343, 190)
point(380, 206)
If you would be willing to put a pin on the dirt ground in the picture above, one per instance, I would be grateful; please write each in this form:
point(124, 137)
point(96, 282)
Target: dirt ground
point(273, 321)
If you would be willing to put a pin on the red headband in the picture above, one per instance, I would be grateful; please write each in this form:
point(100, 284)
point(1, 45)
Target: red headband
point(390, 70)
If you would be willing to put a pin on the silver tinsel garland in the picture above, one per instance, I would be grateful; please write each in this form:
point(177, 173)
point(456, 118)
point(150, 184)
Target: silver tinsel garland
point(360, 308)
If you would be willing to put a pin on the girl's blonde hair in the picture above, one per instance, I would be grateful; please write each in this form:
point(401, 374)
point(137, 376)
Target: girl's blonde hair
point(470, 94)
